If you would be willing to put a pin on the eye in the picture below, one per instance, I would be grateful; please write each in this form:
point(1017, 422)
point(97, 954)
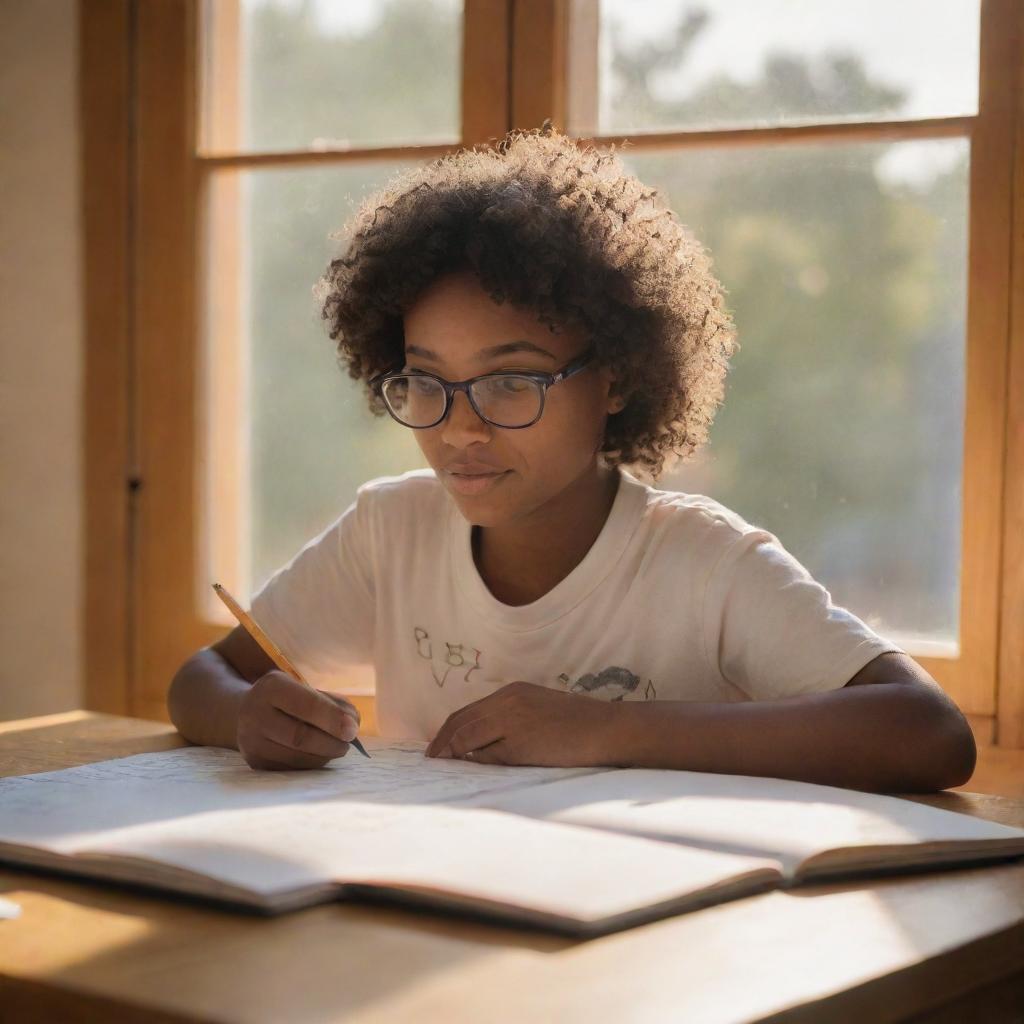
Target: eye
point(422, 384)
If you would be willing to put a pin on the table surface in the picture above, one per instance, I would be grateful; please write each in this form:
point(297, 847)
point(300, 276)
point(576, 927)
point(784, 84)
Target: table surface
point(927, 946)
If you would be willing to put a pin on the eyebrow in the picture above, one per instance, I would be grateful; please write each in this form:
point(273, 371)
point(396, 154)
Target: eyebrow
point(504, 349)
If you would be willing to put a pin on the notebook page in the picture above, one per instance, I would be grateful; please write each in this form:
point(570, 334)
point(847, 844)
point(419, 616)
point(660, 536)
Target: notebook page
point(56, 810)
point(556, 871)
point(755, 816)
point(203, 811)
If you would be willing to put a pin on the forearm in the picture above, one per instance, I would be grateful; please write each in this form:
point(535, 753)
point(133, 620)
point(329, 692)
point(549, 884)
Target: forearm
point(883, 738)
point(203, 700)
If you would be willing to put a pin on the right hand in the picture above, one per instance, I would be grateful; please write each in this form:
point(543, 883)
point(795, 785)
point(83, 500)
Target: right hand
point(284, 724)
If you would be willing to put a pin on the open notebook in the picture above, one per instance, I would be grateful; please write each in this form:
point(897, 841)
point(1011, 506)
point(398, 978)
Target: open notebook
point(582, 850)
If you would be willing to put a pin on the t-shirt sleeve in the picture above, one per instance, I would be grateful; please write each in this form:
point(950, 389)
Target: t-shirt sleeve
point(773, 631)
point(319, 607)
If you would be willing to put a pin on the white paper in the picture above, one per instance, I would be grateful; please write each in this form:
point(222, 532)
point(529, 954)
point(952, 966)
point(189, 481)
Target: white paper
point(402, 819)
point(574, 873)
point(748, 815)
point(57, 809)
point(371, 821)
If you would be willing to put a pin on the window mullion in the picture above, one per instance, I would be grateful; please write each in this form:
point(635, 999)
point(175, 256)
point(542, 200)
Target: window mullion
point(540, 35)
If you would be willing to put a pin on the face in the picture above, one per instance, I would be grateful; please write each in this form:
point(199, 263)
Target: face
point(447, 330)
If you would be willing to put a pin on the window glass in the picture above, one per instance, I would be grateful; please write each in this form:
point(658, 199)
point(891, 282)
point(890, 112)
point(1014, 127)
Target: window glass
point(667, 65)
point(320, 74)
point(306, 438)
point(842, 427)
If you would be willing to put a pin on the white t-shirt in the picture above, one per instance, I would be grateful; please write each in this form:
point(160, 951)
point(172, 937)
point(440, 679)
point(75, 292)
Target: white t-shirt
point(679, 598)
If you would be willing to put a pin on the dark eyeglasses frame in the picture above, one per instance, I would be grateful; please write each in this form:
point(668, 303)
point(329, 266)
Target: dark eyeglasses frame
point(546, 380)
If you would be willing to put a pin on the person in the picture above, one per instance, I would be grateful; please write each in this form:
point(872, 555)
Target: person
point(553, 336)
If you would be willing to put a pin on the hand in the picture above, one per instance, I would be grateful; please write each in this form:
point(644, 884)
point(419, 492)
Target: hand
point(523, 723)
point(284, 724)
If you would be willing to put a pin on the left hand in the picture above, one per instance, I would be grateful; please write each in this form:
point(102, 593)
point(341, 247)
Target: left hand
point(523, 723)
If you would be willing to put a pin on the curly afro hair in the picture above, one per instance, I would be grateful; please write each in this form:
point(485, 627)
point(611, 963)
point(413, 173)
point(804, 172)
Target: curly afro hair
point(567, 232)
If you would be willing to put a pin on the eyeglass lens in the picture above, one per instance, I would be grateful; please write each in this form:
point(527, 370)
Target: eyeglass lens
point(506, 400)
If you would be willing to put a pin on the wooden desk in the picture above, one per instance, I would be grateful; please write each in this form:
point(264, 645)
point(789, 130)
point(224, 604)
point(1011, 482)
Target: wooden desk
point(947, 946)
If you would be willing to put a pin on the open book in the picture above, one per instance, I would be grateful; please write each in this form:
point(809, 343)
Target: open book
point(579, 850)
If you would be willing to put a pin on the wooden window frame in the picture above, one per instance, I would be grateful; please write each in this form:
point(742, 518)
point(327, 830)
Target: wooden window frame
point(144, 188)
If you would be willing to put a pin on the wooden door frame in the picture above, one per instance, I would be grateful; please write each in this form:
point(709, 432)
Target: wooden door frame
point(105, 99)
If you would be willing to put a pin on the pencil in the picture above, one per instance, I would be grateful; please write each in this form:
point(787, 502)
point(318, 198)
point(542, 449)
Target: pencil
point(272, 651)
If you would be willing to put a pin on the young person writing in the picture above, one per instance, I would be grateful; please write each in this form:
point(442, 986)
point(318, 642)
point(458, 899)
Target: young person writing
point(550, 332)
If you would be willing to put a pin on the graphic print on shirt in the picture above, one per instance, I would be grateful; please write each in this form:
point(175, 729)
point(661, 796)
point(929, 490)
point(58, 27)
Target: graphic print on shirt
point(611, 680)
point(612, 683)
point(454, 657)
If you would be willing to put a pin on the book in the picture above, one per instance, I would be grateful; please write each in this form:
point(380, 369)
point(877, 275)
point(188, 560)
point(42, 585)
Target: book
point(581, 851)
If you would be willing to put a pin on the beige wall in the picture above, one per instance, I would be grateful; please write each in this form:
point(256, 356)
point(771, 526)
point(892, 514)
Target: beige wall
point(40, 360)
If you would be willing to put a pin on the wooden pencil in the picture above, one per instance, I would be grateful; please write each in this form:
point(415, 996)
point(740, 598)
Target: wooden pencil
point(272, 651)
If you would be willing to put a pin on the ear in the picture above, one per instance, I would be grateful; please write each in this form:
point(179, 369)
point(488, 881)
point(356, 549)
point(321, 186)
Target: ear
point(615, 401)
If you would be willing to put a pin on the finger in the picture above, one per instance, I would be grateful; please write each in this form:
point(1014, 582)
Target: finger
point(493, 753)
point(455, 721)
point(444, 734)
point(273, 756)
point(474, 734)
point(345, 704)
point(312, 706)
point(296, 735)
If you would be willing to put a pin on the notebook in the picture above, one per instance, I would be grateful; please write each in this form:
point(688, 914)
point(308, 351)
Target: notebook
point(582, 851)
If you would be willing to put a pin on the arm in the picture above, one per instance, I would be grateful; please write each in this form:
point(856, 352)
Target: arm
point(232, 695)
point(206, 692)
point(321, 602)
point(891, 728)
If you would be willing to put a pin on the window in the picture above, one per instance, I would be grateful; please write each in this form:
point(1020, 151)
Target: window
point(292, 442)
point(846, 262)
point(857, 203)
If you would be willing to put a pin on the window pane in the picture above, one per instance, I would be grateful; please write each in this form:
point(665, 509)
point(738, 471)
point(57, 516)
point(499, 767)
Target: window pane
point(305, 437)
point(667, 65)
point(318, 74)
point(841, 432)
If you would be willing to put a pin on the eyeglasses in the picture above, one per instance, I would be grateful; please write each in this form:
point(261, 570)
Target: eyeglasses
point(511, 400)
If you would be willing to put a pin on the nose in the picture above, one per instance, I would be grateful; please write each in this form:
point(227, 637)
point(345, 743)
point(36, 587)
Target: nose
point(462, 425)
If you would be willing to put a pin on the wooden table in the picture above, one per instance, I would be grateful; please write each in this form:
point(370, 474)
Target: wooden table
point(946, 946)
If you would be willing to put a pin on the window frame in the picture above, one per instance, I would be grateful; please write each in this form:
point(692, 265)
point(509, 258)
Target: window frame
point(145, 185)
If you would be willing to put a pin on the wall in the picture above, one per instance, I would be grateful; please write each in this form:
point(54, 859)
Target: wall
point(41, 342)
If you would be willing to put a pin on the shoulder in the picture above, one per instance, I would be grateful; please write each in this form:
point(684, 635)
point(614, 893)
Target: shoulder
point(418, 481)
point(415, 494)
point(699, 522)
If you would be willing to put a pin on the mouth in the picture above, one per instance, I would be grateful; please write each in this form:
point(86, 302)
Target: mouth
point(474, 483)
